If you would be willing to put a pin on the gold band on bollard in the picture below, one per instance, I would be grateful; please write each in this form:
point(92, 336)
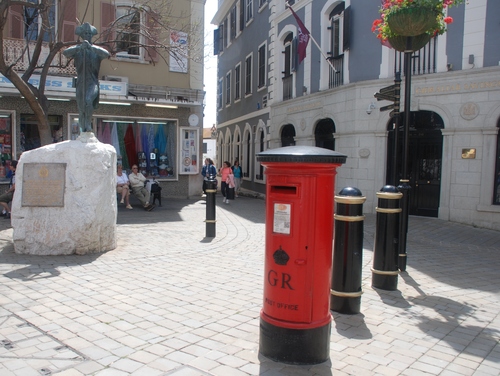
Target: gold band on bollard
point(346, 218)
point(402, 255)
point(350, 200)
point(211, 190)
point(210, 220)
point(346, 294)
point(389, 195)
point(381, 272)
point(388, 211)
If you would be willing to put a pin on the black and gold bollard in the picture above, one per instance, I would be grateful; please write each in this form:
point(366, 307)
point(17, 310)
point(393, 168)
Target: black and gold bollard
point(347, 252)
point(386, 249)
point(210, 191)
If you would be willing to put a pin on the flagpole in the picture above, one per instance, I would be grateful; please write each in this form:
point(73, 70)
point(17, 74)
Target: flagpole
point(301, 25)
point(322, 53)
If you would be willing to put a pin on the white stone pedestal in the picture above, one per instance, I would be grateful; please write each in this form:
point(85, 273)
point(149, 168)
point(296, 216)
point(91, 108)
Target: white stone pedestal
point(85, 221)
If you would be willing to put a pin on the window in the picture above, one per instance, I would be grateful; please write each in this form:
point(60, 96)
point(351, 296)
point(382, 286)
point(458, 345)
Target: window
point(339, 25)
point(219, 94)
point(29, 130)
point(221, 38)
point(249, 10)
point(496, 188)
point(233, 23)
point(33, 22)
point(128, 34)
point(158, 157)
point(237, 84)
point(241, 18)
point(248, 75)
point(225, 35)
point(228, 88)
point(262, 66)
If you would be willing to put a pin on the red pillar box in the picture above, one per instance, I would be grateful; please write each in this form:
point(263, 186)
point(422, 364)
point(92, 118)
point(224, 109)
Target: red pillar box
point(295, 320)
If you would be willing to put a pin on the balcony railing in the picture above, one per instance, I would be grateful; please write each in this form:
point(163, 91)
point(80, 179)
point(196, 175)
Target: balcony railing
point(17, 52)
point(336, 76)
point(423, 60)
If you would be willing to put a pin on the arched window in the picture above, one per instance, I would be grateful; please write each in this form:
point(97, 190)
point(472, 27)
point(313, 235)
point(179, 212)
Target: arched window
point(261, 149)
point(324, 134)
point(288, 135)
point(496, 189)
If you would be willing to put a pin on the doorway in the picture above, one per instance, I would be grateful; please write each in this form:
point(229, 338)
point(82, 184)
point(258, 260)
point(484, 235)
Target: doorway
point(425, 144)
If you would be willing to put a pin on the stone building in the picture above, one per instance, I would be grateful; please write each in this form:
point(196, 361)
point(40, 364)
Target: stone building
point(266, 99)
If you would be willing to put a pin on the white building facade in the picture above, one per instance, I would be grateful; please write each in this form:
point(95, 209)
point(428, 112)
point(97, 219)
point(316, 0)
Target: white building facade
point(453, 162)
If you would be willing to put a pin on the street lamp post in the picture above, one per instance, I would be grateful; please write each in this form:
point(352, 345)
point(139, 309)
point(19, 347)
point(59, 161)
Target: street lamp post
point(404, 186)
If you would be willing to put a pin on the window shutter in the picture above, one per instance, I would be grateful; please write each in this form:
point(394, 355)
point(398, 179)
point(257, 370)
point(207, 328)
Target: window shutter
point(16, 29)
point(108, 13)
point(242, 15)
point(294, 57)
point(347, 28)
point(69, 21)
point(152, 32)
point(216, 42)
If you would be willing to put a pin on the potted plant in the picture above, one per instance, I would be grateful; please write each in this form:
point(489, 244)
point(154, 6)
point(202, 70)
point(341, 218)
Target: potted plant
point(409, 24)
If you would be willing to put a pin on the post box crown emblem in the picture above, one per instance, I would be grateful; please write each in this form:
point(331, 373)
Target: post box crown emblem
point(280, 257)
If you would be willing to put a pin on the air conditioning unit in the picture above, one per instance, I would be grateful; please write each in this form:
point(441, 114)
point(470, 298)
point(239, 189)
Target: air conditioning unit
point(116, 78)
point(264, 101)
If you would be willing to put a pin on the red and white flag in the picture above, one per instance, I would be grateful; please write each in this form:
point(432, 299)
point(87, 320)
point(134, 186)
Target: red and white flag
point(303, 36)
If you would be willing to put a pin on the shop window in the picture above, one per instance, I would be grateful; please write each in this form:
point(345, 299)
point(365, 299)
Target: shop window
point(30, 137)
point(149, 144)
point(5, 143)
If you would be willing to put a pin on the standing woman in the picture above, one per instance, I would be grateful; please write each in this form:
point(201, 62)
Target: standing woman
point(238, 174)
point(225, 171)
point(123, 186)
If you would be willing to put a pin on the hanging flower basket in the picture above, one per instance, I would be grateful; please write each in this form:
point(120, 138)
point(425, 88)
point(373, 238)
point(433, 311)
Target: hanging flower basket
point(399, 43)
point(412, 21)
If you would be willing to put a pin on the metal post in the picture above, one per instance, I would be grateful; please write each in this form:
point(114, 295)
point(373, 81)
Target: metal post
point(404, 186)
point(210, 221)
point(397, 122)
point(347, 252)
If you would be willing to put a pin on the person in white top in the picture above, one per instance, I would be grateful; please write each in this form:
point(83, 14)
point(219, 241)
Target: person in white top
point(123, 186)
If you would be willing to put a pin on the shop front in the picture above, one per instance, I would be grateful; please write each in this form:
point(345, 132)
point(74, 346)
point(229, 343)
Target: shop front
point(145, 131)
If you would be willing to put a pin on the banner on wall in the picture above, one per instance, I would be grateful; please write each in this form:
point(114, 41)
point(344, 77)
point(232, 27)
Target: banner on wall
point(179, 55)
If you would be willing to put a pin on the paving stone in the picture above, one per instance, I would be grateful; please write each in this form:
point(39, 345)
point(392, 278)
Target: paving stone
point(168, 302)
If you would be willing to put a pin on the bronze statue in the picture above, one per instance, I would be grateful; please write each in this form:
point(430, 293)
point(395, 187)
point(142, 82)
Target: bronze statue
point(87, 60)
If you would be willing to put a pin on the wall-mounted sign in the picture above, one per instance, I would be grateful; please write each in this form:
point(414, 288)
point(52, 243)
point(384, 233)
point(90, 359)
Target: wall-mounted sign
point(65, 84)
point(468, 153)
point(188, 151)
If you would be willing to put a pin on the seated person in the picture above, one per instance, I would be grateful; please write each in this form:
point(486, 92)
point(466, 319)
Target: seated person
point(6, 198)
point(137, 182)
point(123, 186)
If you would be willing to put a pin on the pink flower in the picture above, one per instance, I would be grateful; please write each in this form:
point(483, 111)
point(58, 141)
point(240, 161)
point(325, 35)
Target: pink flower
point(448, 20)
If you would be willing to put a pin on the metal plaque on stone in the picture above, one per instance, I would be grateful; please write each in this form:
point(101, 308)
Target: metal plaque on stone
point(43, 184)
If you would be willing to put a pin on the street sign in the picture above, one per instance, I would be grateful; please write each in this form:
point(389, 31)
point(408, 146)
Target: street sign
point(385, 108)
point(387, 89)
point(387, 96)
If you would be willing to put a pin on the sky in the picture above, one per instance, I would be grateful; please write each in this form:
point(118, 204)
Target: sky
point(210, 72)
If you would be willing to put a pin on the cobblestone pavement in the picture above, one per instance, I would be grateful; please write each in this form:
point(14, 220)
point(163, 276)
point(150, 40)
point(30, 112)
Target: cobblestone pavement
point(168, 301)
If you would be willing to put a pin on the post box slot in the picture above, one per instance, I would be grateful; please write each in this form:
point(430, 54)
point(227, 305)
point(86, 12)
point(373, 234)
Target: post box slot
point(283, 189)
